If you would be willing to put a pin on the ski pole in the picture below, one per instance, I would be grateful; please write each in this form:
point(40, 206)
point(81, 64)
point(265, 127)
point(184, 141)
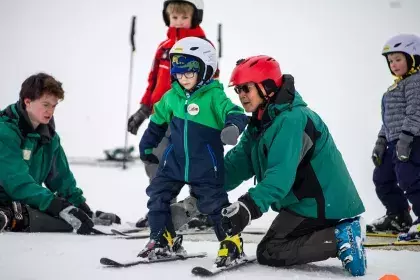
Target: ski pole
point(219, 39)
point(130, 78)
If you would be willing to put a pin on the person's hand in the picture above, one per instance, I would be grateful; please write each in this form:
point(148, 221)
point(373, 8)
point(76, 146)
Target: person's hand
point(149, 158)
point(403, 148)
point(106, 218)
point(77, 218)
point(239, 214)
point(138, 118)
point(379, 151)
point(230, 135)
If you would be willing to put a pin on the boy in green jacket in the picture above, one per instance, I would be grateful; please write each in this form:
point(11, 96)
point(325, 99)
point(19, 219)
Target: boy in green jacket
point(30, 156)
point(202, 119)
point(299, 171)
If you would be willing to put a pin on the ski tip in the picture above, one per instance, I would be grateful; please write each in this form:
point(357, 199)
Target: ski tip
point(201, 271)
point(106, 261)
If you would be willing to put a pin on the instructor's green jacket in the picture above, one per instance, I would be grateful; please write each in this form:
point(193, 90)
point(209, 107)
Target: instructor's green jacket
point(30, 158)
point(296, 164)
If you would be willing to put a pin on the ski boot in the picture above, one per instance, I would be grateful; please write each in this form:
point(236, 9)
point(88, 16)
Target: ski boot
point(162, 247)
point(3, 220)
point(350, 249)
point(412, 234)
point(230, 252)
point(391, 223)
point(13, 218)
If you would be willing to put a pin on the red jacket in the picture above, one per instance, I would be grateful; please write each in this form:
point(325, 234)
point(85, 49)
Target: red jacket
point(159, 80)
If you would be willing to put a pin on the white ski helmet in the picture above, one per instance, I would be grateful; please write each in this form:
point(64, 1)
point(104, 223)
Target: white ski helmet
point(408, 44)
point(200, 49)
point(197, 15)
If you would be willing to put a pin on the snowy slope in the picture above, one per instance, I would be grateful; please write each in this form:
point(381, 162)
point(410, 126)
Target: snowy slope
point(64, 256)
point(69, 256)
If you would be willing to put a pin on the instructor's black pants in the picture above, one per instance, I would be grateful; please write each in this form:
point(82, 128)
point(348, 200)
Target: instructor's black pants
point(35, 221)
point(293, 240)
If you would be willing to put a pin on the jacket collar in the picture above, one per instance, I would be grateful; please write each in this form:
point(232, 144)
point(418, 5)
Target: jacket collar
point(17, 114)
point(176, 34)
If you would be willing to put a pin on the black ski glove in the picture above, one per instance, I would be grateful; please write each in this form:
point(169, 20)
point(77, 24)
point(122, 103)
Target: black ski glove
point(230, 134)
point(239, 214)
point(149, 158)
point(100, 217)
point(76, 217)
point(86, 209)
point(403, 147)
point(379, 151)
point(105, 218)
point(138, 118)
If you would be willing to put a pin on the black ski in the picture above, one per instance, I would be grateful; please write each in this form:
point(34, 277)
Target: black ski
point(205, 272)
point(393, 244)
point(372, 231)
point(112, 263)
point(144, 233)
point(95, 231)
point(127, 232)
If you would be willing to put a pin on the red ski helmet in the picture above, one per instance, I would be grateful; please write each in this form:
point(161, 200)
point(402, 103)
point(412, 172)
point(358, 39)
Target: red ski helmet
point(260, 69)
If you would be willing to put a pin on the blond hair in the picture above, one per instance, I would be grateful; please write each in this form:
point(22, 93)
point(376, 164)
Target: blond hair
point(180, 8)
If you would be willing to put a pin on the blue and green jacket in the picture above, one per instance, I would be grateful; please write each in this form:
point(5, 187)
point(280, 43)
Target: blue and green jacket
point(195, 151)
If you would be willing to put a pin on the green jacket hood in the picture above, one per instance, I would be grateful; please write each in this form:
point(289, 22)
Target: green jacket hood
point(17, 115)
point(284, 100)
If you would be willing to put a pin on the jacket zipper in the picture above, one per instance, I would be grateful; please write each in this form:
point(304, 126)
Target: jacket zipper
point(166, 154)
point(187, 160)
point(213, 159)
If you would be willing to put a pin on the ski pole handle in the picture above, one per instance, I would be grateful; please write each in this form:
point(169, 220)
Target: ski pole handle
point(133, 33)
point(219, 39)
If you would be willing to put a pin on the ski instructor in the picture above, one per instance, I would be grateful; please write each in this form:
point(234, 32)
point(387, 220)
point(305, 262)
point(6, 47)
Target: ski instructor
point(31, 156)
point(299, 171)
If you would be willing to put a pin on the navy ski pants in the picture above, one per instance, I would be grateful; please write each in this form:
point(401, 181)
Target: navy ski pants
point(211, 199)
point(398, 181)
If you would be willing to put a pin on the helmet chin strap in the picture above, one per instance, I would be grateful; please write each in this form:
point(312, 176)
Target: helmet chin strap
point(266, 101)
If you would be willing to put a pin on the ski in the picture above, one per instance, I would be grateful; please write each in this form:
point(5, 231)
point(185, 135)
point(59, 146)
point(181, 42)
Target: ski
point(382, 234)
point(113, 263)
point(204, 272)
point(95, 231)
point(409, 236)
point(127, 232)
point(395, 243)
point(144, 233)
point(371, 231)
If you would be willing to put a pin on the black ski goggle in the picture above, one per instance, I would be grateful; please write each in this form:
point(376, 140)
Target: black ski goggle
point(239, 89)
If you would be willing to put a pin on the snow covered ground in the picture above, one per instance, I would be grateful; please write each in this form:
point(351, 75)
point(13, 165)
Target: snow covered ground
point(69, 256)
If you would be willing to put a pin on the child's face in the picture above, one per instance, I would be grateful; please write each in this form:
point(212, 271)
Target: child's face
point(187, 80)
point(249, 97)
point(398, 64)
point(40, 111)
point(179, 20)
